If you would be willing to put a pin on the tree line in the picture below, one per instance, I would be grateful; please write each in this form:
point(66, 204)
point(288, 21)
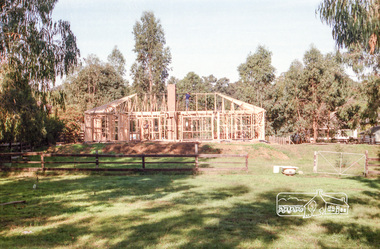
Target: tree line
point(314, 93)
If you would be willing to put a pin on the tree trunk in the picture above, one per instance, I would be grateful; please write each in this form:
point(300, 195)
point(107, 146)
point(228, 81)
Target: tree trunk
point(150, 74)
point(315, 129)
point(328, 126)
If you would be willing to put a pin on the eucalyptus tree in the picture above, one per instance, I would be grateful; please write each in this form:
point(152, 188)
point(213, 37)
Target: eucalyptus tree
point(255, 75)
point(117, 60)
point(353, 22)
point(151, 68)
point(33, 45)
point(34, 50)
point(311, 95)
point(355, 26)
point(285, 112)
point(192, 82)
point(222, 86)
point(323, 88)
point(94, 84)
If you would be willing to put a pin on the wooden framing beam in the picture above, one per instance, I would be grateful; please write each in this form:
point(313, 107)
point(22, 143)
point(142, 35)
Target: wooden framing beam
point(233, 119)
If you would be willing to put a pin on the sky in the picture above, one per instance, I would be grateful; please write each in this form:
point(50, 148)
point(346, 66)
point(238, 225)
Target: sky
point(204, 36)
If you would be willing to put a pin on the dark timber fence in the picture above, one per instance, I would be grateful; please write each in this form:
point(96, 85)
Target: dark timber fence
point(98, 159)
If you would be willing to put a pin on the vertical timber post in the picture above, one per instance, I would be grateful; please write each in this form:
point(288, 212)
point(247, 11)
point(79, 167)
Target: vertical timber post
point(366, 164)
point(97, 159)
point(315, 162)
point(143, 161)
point(196, 156)
point(172, 124)
point(42, 161)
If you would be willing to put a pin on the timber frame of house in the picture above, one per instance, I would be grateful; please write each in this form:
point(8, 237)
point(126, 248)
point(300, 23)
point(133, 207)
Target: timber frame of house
point(210, 116)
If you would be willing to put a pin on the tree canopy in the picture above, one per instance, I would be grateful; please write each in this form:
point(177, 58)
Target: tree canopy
point(32, 44)
point(94, 84)
point(117, 61)
point(355, 26)
point(255, 75)
point(151, 68)
point(311, 95)
point(34, 50)
point(353, 22)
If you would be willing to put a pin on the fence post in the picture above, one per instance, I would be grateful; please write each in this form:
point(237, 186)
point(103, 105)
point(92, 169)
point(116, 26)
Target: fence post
point(366, 164)
point(315, 162)
point(143, 161)
point(196, 156)
point(42, 161)
point(97, 159)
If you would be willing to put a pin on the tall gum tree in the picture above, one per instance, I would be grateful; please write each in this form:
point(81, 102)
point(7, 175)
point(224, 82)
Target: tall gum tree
point(151, 68)
point(255, 75)
point(356, 26)
point(34, 50)
point(323, 88)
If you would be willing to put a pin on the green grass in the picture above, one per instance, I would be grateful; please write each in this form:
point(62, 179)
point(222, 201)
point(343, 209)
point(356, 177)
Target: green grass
point(218, 210)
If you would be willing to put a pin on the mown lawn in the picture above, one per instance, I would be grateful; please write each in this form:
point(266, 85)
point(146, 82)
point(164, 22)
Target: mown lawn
point(214, 210)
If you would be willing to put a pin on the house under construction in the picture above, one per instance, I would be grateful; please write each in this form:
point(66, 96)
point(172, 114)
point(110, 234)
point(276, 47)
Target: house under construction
point(209, 116)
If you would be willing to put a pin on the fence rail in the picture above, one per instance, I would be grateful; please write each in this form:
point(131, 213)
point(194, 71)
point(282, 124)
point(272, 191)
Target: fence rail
point(340, 163)
point(15, 146)
point(10, 159)
point(372, 165)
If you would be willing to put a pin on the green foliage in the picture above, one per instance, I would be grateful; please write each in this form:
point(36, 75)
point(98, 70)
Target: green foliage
point(34, 50)
point(116, 59)
point(222, 86)
point(94, 84)
point(193, 83)
point(256, 74)
point(312, 95)
point(355, 25)
point(22, 118)
point(353, 22)
point(31, 43)
point(72, 118)
point(151, 68)
point(372, 90)
point(54, 127)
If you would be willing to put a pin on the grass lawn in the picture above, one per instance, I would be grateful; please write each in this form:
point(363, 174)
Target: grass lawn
point(212, 210)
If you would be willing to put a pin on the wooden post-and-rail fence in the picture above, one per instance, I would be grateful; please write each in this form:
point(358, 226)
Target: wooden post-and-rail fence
point(372, 165)
point(10, 159)
point(280, 140)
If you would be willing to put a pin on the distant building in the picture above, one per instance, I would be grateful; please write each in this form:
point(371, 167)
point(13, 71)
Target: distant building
point(371, 136)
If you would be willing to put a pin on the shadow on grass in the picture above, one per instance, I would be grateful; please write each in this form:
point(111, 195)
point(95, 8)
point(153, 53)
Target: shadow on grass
point(370, 182)
point(212, 227)
point(154, 211)
point(352, 231)
point(63, 235)
point(72, 194)
point(372, 195)
point(179, 219)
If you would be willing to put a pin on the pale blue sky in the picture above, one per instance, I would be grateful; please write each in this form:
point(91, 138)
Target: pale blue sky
point(204, 36)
